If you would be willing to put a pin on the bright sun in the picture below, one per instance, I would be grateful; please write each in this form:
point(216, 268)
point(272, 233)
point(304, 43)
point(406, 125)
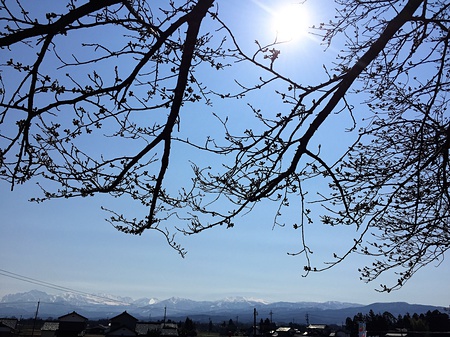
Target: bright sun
point(291, 22)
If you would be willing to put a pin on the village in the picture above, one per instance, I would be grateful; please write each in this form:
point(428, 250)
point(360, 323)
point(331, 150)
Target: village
point(73, 324)
point(125, 324)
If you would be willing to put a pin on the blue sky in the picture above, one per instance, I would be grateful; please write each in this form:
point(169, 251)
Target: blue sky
point(68, 242)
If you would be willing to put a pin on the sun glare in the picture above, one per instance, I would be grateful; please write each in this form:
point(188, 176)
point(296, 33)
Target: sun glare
point(291, 22)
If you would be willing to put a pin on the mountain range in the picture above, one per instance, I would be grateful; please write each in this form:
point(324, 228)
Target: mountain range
point(177, 309)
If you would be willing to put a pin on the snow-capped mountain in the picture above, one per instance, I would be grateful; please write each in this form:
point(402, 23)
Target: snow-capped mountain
point(142, 302)
point(67, 297)
point(239, 301)
point(103, 306)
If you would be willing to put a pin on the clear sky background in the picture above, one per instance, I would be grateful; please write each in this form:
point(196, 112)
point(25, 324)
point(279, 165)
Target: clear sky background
point(68, 242)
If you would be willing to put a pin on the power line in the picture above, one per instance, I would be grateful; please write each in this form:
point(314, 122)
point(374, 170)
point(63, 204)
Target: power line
point(54, 286)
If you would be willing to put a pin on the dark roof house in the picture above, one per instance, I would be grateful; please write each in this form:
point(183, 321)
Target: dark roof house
point(71, 325)
point(123, 320)
point(8, 327)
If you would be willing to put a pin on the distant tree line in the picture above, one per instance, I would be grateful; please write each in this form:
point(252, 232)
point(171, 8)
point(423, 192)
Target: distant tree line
point(416, 324)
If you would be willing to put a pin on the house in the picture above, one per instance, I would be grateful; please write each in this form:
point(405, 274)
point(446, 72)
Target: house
point(121, 331)
point(49, 329)
point(340, 333)
point(145, 329)
point(8, 327)
point(169, 330)
point(317, 330)
point(71, 325)
point(397, 333)
point(125, 324)
point(123, 320)
point(284, 332)
point(99, 329)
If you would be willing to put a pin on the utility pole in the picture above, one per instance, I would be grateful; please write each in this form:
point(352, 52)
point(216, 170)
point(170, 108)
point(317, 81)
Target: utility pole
point(165, 312)
point(35, 318)
point(255, 313)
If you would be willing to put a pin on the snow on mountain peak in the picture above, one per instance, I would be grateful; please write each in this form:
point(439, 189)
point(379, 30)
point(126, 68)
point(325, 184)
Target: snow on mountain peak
point(241, 299)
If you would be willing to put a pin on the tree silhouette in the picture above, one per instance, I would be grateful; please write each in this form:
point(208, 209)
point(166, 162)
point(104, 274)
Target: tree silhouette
point(66, 85)
point(188, 328)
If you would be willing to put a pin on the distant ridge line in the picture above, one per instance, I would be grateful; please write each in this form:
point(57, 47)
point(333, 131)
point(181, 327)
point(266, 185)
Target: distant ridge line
point(330, 312)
